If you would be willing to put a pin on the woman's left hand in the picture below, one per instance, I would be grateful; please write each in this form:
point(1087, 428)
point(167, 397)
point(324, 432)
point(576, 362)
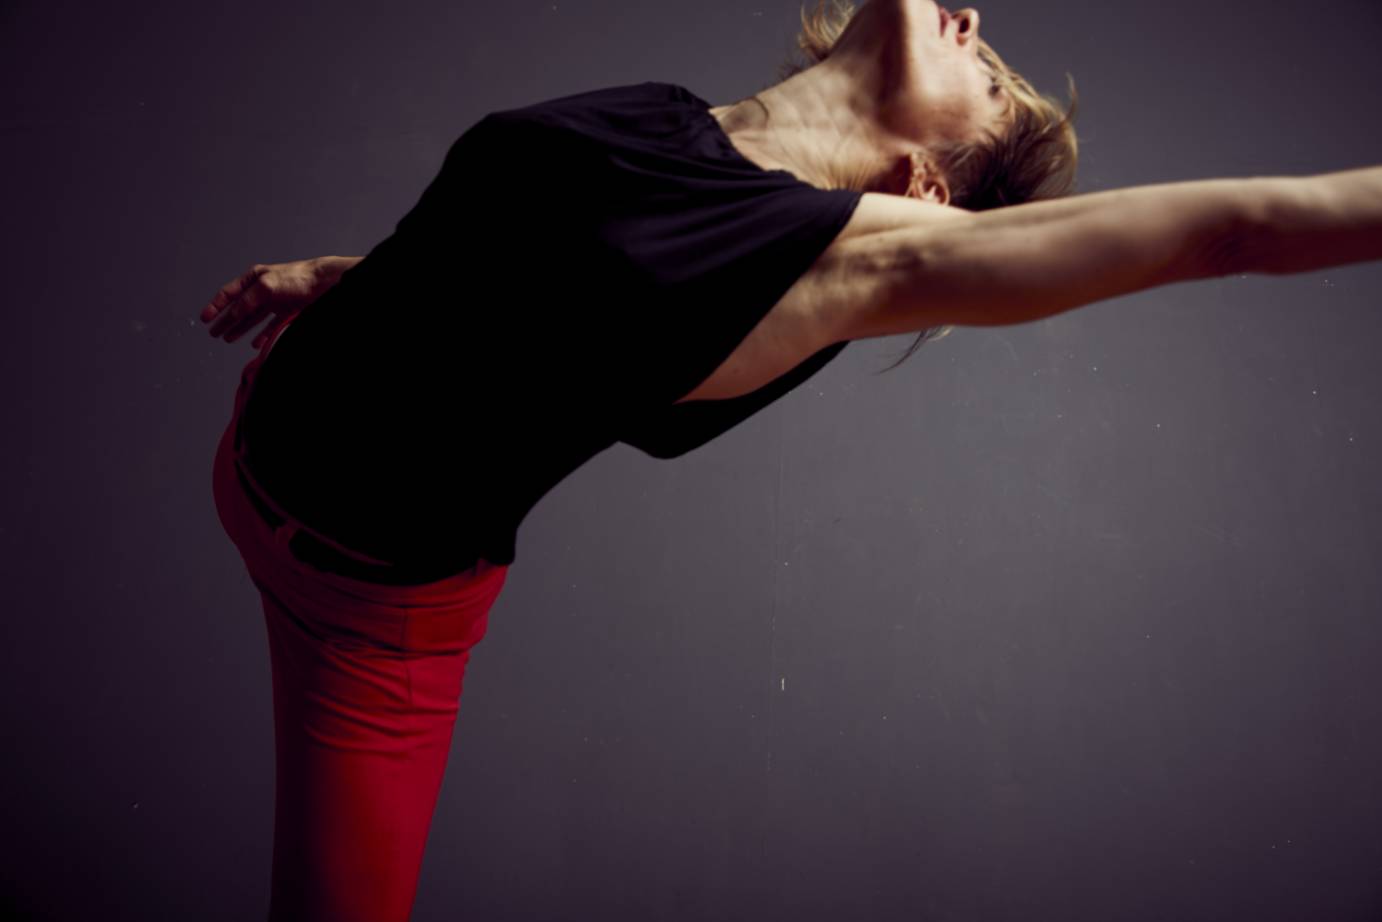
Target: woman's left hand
point(278, 290)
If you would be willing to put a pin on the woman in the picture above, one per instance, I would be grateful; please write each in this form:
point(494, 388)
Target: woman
point(661, 269)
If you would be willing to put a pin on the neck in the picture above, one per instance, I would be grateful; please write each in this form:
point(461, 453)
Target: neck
point(821, 126)
point(851, 121)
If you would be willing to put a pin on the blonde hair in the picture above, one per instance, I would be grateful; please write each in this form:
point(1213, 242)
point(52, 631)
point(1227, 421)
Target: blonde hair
point(1033, 157)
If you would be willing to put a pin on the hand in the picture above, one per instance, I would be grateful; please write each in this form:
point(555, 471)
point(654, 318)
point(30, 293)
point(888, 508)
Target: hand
point(278, 290)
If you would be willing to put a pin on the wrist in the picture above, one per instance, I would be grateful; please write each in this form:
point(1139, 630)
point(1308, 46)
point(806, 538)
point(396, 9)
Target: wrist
point(329, 269)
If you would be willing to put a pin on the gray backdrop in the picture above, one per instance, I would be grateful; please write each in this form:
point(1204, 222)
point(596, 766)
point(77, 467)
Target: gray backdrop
point(1078, 619)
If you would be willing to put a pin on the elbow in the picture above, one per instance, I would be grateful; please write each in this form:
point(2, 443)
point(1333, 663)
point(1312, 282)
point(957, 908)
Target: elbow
point(1252, 242)
point(1237, 242)
point(1227, 254)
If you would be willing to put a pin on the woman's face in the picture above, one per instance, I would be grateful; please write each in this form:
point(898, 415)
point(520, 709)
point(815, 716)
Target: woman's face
point(935, 69)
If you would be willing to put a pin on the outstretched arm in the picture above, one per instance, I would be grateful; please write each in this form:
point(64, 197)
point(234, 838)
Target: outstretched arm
point(1012, 265)
point(280, 290)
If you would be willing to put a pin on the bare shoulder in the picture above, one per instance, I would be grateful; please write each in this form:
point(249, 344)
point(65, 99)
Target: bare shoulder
point(819, 308)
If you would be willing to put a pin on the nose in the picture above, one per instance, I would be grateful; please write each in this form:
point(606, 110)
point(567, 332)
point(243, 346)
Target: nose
point(967, 21)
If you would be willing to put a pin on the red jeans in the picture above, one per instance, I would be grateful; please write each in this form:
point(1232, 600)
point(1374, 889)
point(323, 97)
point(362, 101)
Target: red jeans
point(366, 687)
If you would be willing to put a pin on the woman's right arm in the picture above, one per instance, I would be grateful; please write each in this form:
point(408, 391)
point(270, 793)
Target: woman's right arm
point(1026, 262)
point(278, 289)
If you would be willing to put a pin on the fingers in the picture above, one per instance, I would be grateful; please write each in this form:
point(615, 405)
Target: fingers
point(248, 314)
point(230, 292)
point(237, 306)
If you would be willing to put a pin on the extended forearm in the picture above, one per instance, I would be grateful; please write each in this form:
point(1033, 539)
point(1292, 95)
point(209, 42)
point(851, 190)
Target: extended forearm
point(1307, 223)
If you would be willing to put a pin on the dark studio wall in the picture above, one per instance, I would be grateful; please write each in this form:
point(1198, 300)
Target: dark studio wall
point(1074, 620)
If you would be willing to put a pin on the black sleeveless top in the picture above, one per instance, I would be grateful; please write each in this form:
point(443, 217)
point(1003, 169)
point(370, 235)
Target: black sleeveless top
point(575, 267)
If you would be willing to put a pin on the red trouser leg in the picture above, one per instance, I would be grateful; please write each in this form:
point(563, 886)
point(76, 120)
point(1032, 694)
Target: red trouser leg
point(361, 739)
point(366, 688)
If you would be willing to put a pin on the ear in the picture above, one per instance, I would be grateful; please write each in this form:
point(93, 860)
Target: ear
point(924, 181)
